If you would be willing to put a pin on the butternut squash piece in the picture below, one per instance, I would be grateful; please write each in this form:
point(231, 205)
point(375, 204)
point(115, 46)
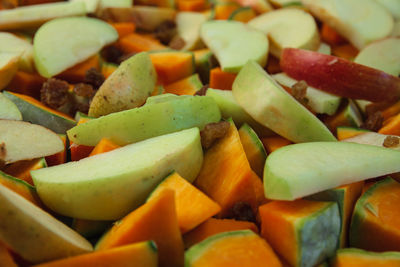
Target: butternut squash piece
point(352, 257)
point(135, 43)
point(6, 260)
point(391, 110)
point(243, 14)
point(186, 86)
point(77, 73)
point(103, 146)
point(221, 80)
point(215, 226)
point(346, 51)
point(21, 169)
point(375, 225)
point(330, 36)
point(273, 143)
point(143, 254)
point(344, 132)
point(392, 127)
point(26, 83)
point(303, 232)
point(124, 28)
point(192, 5)
point(238, 248)
point(155, 220)
point(224, 10)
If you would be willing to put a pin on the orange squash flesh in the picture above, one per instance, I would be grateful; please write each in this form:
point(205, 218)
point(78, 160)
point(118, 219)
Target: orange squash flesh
point(135, 43)
point(155, 220)
point(273, 143)
point(391, 110)
point(346, 51)
point(103, 146)
point(124, 28)
point(330, 36)
point(220, 79)
point(26, 83)
point(6, 260)
point(359, 258)
point(186, 86)
point(226, 175)
point(392, 127)
point(343, 132)
point(214, 226)
point(60, 157)
point(107, 69)
point(223, 11)
point(21, 169)
point(77, 73)
point(143, 254)
point(192, 206)
point(192, 5)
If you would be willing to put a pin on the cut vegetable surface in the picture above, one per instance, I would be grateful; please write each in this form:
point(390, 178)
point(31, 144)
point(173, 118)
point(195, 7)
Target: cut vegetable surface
point(8, 110)
point(352, 257)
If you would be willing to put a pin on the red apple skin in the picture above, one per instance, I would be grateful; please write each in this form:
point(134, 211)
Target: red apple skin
point(339, 76)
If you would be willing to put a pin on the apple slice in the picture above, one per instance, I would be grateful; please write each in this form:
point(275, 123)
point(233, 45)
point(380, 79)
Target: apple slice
point(393, 6)
point(35, 15)
point(269, 104)
point(288, 27)
point(127, 87)
point(108, 186)
point(396, 29)
point(65, 42)
point(91, 5)
point(360, 21)
point(12, 44)
point(227, 40)
point(188, 26)
point(8, 68)
point(383, 55)
point(339, 76)
point(33, 233)
point(372, 138)
point(8, 110)
point(22, 140)
point(299, 170)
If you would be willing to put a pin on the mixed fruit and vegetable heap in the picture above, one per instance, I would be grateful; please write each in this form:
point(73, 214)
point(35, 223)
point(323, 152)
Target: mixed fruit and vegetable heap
point(200, 133)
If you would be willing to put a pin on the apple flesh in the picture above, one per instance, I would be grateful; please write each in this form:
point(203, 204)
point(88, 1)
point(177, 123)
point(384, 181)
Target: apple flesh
point(188, 26)
point(62, 43)
point(110, 185)
point(8, 68)
point(300, 170)
point(371, 138)
point(339, 76)
point(10, 43)
point(8, 110)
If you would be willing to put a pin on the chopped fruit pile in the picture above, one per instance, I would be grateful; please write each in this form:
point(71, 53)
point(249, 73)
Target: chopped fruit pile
point(199, 133)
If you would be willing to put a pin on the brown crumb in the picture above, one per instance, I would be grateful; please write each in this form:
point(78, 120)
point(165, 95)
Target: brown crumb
point(299, 91)
point(391, 141)
point(177, 43)
point(84, 89)
point(165, 31)
point(3, 151)
point(212, 132)
point(242, 211)
point(202, 91)
point(94, 78)
point(374, 122)
point(111, 54)
point(54, 93)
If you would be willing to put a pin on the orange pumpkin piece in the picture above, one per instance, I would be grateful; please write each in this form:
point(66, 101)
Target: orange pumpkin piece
point(60, 157)
point(124, 28)
point(26, 83)
point(221, 80)
point(344, 132)
point(237, 248)
point(375, 225)
point(143, 254)
point(155, 220)
point(135, 43)
point(192, 5)
point(273, 143)
point(346, 51)
point(352, 257)
point(330, 36)
point(392, 127)
point(215, 226)
point(6, 260)
point(391, 110)
point(77, 73)
point(192, 206)
point(103, 146)
point(226, 175)
point(108, 68)
point(21, 169)
point(186, 86)
point(223, 11)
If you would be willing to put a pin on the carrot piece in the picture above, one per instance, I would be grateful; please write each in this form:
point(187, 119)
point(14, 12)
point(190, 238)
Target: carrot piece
point(22, 168)
point(186, 86)
point(27, 84)
point(192, 5)
point(143, 254)
point(60, 157)
point(273, 143)
point(226, 175)
point(77, 73)
point(103, 146)
point(221, 80)
point(346, 51)
point(155, 220)
point(392, 127)
point(6, 260)
point(224, 10)
point(192, 206)
point(330, 36)
point(124, 28)
point(135, 43)
point(214, 226)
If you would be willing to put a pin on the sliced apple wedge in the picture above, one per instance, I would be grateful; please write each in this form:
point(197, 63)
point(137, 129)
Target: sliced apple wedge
point(8, 110)
point(12, 44)
point(360, 21)
point(22, 140)
point(91, 5)
point(35, 15)
point(62, 43)
point(269, 104)
point(396, 29)
point(33, 233)
point(8, 68)
point(227, 40)
point(110, 185)
point(288, 27)
point(383, 55)
point(299, 170)
point(393, 6)
point(188, 25)
point(339, 76)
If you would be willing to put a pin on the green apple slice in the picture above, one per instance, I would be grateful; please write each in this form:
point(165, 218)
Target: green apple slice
point(8, 110)
point(23, 140)
point(91, 5)
point(12, 44)
point(288, 27)
point(299, 170)
point(360, 21)
point(110, 185)
point(8, 68)
point(393, 6)
point(64, 42)
point(127, 87)
point(148, 121)
point(396, 29)
point(269, 104)
point(33, 233)
point(319, 101)
point(234, 43)
point(383, 55)
point(35, 15)
point(188, 26)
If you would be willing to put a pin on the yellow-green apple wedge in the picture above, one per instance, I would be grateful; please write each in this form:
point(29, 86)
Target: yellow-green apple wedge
point(383, 55)
point(339, 76)
point(35, 15)
point(300, 170)
point(396, 29)
point(360, 21)
point(91, 5)
point(12, 44)
point(110, 185)
point(55, 50)
point(188, 26)
point(393, 6)
point(8, 110)
point(288, 27)
point(8, 68)
point(148, 121)
point(270, 105)
point(127, 87)
point(227, 40)
point(34, 234)
point(22, 140)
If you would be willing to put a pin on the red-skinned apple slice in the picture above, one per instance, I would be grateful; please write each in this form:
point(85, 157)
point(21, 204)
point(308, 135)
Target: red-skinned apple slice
point(339, 76)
